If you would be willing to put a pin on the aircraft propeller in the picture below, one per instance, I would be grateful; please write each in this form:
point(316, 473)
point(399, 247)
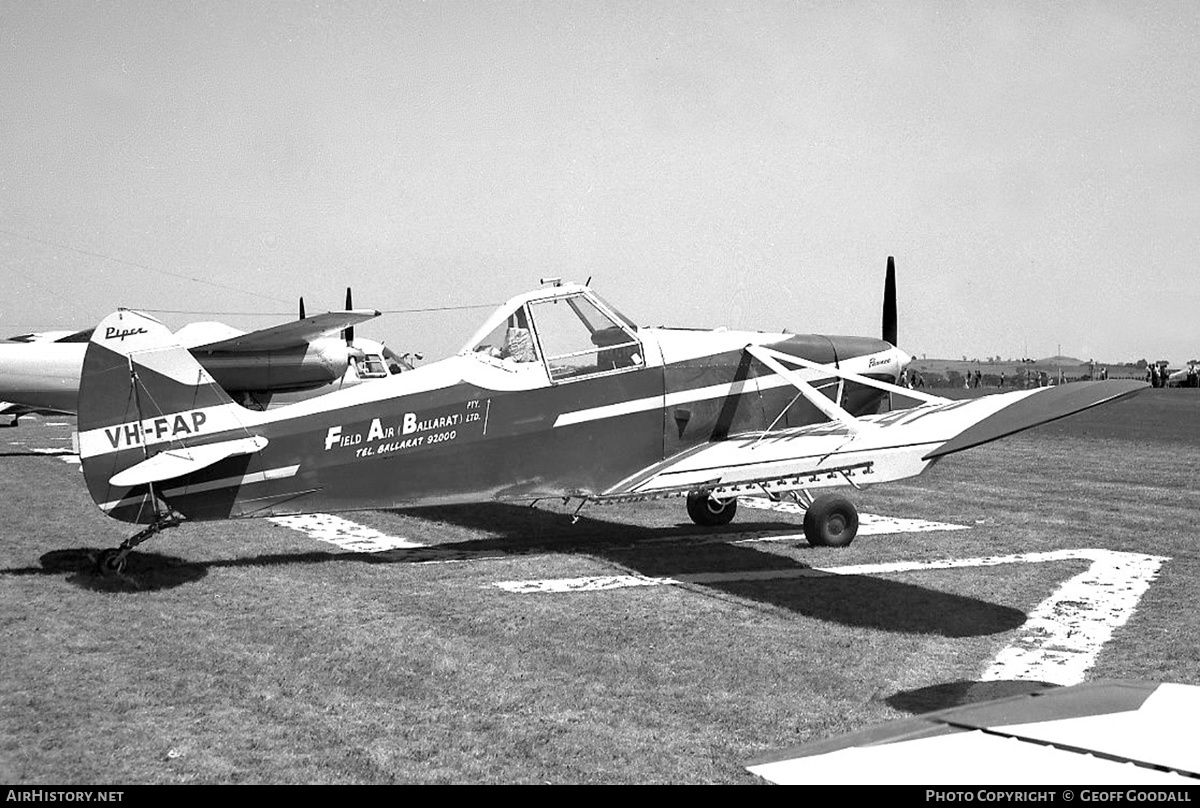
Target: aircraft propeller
point(348, 332)
point(889, 302)
point(889, 314)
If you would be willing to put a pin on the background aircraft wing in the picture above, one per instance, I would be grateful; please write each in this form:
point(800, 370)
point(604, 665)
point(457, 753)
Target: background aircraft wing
point(869, 449)
point(1117, 732)
point(13, 408)
point(293, 334)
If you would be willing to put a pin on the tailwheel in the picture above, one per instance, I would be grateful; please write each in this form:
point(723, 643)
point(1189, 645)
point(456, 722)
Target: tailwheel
point(112, 561)
point(710, 512)
point(830, 521)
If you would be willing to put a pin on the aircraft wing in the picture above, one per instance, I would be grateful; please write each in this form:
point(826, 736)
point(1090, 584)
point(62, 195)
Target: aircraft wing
point(17, 409)
point(864, 450)
point(291, 335)
point(1110, 733)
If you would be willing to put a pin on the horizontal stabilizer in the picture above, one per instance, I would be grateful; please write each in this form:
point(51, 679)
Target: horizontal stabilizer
point(293, 334)
point(172, 463)
point(1049, 404)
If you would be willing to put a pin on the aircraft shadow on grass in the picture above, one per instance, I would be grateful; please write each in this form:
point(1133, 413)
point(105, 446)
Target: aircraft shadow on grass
point(946, 695)
point(672, 551)
point(855, 600)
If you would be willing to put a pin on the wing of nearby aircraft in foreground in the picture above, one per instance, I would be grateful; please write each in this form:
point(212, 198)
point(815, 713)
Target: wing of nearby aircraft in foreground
point(1098, 733)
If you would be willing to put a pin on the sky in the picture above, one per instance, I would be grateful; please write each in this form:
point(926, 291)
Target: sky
point(1034, 167)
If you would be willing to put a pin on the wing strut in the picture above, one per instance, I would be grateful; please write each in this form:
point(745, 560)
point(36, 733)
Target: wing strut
point(831, 410)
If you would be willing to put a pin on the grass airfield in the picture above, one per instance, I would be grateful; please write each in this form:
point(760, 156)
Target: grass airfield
point(505, 644)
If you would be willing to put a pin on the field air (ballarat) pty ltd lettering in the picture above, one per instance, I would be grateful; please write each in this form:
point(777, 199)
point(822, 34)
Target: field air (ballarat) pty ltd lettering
point(412, 431)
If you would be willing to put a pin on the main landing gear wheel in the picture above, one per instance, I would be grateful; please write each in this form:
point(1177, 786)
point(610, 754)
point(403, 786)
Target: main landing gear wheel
point(831, 521)
point(710, 512)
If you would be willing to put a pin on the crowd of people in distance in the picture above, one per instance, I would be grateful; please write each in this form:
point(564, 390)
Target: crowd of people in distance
point(1021, 380)
point(1157, 375)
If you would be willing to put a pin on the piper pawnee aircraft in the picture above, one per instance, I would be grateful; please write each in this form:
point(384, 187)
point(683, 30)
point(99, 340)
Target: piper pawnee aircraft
point(39, 373)
point(557, 395)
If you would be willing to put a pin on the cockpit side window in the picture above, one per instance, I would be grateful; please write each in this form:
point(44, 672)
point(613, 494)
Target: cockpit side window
point(512, 340)
point(579, 339)
point(371, 367)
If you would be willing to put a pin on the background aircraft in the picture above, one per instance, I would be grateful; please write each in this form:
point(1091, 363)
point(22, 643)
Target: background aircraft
point(556, 395)
point(1185, 377)
point(39, 372)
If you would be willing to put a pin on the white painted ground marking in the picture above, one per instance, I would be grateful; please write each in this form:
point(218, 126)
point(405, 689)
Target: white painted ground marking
point(64, 455)
point(595, 583)
point(344, 533)
point(869, 524)
point(1058, 643)
point(1063, 635)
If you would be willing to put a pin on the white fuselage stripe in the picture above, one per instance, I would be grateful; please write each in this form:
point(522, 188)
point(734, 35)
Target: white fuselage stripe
point(672, 399)
point(169, 428)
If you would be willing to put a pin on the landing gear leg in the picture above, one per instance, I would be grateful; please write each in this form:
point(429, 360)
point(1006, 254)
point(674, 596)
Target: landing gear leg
point(113, 560)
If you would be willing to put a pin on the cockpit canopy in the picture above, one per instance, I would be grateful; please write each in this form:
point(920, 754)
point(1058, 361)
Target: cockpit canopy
point(567, 329)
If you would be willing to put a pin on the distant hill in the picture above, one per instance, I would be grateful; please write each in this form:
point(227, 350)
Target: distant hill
point(1060, 360)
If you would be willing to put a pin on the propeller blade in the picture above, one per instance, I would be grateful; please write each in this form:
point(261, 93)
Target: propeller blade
point(301, 308)
point(348, 332)
point(889, 302)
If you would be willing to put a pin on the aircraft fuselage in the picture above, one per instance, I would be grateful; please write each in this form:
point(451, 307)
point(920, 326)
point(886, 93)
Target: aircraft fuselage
point(470, 428)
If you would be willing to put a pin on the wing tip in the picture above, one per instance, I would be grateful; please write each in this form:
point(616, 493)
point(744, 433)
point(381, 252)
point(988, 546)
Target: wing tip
point(1043, 407)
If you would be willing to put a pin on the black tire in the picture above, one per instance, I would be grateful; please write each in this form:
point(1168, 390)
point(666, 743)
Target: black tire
point(831, 521)
point(111, 562)
point(710, 512)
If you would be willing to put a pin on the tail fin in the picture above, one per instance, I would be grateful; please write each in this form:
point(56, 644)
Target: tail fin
point(141, 394)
